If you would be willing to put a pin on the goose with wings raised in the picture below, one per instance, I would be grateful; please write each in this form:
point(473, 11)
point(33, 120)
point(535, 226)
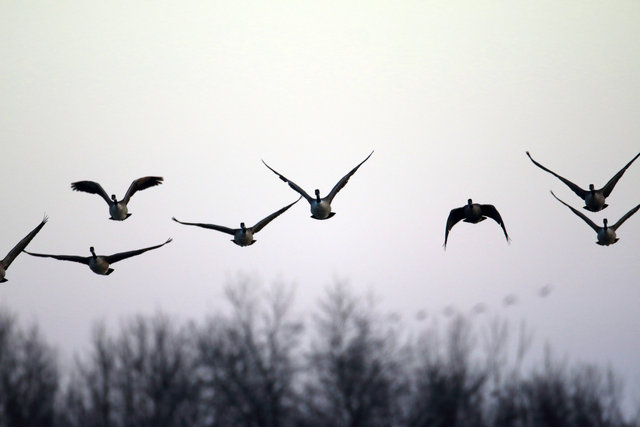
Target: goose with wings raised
point(320, 207)
point(242, 236)
point(473, 213)
point(594, 200)
point(99, 264)
point(117, 209)
point(22, 244)
point(607, 233)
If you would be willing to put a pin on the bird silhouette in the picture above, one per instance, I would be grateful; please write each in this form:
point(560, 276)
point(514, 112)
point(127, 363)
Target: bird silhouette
point(320, 207)
point(117, 209)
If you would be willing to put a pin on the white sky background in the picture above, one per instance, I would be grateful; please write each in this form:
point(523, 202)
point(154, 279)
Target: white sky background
point(449, 94)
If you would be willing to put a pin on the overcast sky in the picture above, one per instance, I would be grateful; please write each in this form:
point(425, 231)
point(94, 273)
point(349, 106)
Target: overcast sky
point(450, 95)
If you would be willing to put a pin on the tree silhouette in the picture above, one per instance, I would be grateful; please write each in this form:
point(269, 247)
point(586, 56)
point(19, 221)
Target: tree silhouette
point(28, 376)
point(252, 365)
point(247, 359)
point(354, 365)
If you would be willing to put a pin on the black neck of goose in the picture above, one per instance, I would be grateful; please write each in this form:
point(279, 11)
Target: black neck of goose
point(469, 202)
point(243, 227)
point(93, 252)
point(605, 223)
point(318, 196)
point(592, 188)
point(113, 198)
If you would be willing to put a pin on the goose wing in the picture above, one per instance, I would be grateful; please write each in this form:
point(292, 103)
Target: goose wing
point(292, 184)
point(607, 189)
point(124, 255)
point(455, 216)
point(340, 185)
point(625, 217)
point(260, 225)
point(91, 187)
point(22, 244)
point(74, 258)
point(141, 184)
point(580, 214)
point(492, 212)
point(579, 191)
point(209, 226)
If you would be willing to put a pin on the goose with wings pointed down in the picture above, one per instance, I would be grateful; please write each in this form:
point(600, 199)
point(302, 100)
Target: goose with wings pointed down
point(117, 209)
point(22, 244)
point(594, 200)
point(473, 213)
point(320, 207)
point(99, 264)
point(242, 236)
point(607, 233)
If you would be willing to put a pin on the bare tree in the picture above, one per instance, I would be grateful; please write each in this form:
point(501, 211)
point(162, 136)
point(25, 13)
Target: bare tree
point(28, 376)
point(354, 372)
point(448, 387)
point(145, 376)
point(89, 397)
point(247, 359)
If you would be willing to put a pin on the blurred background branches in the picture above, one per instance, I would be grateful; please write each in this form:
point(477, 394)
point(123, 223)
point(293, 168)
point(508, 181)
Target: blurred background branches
point(260, 363)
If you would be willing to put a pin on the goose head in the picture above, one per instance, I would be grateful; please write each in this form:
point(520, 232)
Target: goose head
point(605, 222)
point(469, 202)
point(317, 195)
point(93, 252)
point(592, 188)
point(243, 227)
point(113, 197)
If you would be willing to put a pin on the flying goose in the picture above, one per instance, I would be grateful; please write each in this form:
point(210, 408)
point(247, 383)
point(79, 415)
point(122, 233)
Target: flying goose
point(117, 209)
point(594, 199)
point(606, 234)
point(473, 213)
point(13, 253)
point(242, 236)
point(99, 264)
point(320, 207)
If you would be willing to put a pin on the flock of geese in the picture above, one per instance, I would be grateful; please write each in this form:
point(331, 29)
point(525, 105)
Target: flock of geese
point(595, 201)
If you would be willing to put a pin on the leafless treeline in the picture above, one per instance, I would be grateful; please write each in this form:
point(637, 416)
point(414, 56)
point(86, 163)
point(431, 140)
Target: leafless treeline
point(260, 364)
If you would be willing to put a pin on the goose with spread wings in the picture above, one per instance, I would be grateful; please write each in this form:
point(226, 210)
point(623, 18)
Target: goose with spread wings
point(320, 207)
point(22, 244)
point(473, 213)
point(242, 236)
point(594, 200)
point(606, 234)
point(117, 209)
point(99, 264)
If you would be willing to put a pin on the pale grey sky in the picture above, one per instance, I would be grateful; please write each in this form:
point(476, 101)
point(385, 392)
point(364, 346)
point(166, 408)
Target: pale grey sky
point(450, 95)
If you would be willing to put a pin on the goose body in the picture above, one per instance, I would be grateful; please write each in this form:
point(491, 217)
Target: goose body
point(473, 213)
point(594, 199)
point(19, 247)
point(100, 264)
point(118, 210)
point(320, 206)
point(321, 209)
point(606, 234)
point(242, 236)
